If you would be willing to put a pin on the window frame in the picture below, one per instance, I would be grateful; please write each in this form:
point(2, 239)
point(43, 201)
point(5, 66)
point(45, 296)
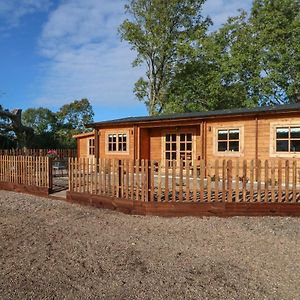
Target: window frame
point(165, 132)
point(117, 133)
point(89, 146)
point(228, 153)
point(273, 139)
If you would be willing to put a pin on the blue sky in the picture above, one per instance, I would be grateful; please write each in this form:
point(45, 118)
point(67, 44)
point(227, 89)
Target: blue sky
point(56, 51)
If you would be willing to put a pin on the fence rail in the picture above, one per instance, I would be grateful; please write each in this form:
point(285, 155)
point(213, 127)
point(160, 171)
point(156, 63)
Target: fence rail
point(26, 170)
point(62, 153)
point(197, 181)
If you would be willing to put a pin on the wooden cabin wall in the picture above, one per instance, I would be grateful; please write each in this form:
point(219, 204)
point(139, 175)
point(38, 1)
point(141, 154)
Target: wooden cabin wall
point(156, 139)
point(103, 137)
point(82, 147)
point(248, 139)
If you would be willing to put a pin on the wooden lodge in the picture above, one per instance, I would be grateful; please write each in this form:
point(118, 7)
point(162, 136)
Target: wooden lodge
point(246, 134)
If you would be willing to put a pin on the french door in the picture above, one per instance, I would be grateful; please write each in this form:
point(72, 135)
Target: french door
point(178, 146)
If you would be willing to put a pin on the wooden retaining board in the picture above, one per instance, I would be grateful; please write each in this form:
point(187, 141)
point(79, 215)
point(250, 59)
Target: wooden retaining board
point(178, 209)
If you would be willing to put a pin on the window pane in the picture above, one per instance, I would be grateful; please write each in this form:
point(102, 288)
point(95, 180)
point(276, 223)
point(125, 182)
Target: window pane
point(114, 147)
point(120, 138)
point(222, 146)
point(124, 147)
point(189, 146)
point(109, 147)
point(114, 138)
point(110, 138)
point(120, 147)
point(173, 155)
point(295, 132)
point(167, 155)
point(234, 146)
point(168, 137)
point(168, 146)
point(124, 138)
point(282, 133)
point(234, 134)
point(182, 147)
point(282, 146)
point(182, 137)
point(222, 135)
point(173, 137)
point(174, 146)
point(189, 137)
point(295, 146)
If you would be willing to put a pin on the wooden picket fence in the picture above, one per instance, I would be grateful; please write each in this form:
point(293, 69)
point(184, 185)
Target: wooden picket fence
point(197, 181)
point(62, 153)
point(26, 170)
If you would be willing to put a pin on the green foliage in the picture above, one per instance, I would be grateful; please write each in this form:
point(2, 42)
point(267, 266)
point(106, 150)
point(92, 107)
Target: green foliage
point(41, 119)
point(162, 34)
point(251, 60)
point(55, 129)
point(275, 33)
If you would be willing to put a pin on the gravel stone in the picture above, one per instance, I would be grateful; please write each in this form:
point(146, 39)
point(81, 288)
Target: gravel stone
point(51, 249)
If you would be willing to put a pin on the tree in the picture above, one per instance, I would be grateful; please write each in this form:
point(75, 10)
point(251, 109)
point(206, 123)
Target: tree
point(162, 33)
point(220, 75)
point(251, 60)
point(11, 122)
point(41, 119)
point(71, 119)
point(275, 33)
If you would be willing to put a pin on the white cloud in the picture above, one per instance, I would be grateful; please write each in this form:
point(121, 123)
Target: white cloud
point(12, 11)
point(220, 10)
point(85, 55)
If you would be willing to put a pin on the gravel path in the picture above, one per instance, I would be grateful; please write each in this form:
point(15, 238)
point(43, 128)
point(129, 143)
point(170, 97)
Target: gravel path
point(51, 249)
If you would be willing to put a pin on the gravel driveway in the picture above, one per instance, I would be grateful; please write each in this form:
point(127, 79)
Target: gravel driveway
point(51, 249)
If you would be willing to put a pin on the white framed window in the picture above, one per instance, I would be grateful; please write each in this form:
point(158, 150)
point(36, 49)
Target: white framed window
point(178, 146)
point(228, 140)
point(117, 142)
point(287, 139)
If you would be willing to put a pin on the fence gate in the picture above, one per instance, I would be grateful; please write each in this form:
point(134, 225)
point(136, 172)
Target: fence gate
point(59, 174)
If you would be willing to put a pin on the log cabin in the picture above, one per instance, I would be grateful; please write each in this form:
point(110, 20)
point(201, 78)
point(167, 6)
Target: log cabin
point(255, 133)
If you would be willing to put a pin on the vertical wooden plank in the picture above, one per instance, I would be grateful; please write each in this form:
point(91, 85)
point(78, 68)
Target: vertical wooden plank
point(143, 180)
point(279, 181)
point(195, 181)
point(180, 181)
point(229, 180)
point(272, 180)
point(127, 179)
point(159, 182)
point(294, 180)
point(216, 180)
point(244, 180)
point(138, 179)
point(147, 181)
point(223, 180)
point(208, 182)
point(187, 181)
point(166, 183)
point(258, 172)
point(109, 189)
point(76, 174)
point(202, 177)
point(266, 199)
point(132, 180)
point(287, 180)
point(174, 180)
point(251, 183)
point(105, 177)
point(152, 181)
